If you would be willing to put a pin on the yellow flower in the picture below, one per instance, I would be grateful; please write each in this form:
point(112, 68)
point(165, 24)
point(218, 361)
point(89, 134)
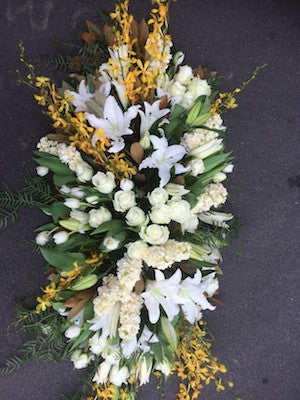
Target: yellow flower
point(43, 304)
point(41, 81)
point(41, 99)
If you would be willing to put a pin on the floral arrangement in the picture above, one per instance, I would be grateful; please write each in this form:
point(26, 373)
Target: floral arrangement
point(132, 182)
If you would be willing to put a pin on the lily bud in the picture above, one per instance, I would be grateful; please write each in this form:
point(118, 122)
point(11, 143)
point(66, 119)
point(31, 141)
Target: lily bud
point(169, 332)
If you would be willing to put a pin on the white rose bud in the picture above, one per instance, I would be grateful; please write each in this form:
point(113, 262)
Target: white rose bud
point(155, 234)
point(84, 172)
point(92, 200)
point(72, 203)
point(60, 237)
point(137, 250)
point(77, 192)
point(42, 238)
point(196, 167)
point(73, 331)
point(97, 217)
point(176, 89)
point(174, 189)
point(65, 189)
point(110, 243)
point(179, 210)
point(184, 75)
point(199, 87)
point(160, 214)
point(118, 375)
point(228, 169)
point(126, 184)
point(190, 224)
point(80, 360)
point(145, 141)
point(158, 196)
point(178, 58)
point(42, 171)
point(219, 177)
point(105, 183)
point(102, 372)
point(123, 201)
point(135, 216)
point(164, 367)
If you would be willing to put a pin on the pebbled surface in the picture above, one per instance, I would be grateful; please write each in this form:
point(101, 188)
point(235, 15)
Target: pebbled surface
point(256, 332)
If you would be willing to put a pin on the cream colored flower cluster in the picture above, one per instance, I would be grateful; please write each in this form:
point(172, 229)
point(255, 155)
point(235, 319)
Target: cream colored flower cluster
point(130, 316)
point(162, 257)
point(109, 293)
point(69, 156)
point(129, 271)
point(199, 137)
point(215, 194)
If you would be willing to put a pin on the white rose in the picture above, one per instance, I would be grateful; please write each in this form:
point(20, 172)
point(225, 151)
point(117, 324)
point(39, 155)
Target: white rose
point(126, 184)
point(84, 172)
point(77, 192)
point(42, 238)
point(219, 177)
point(110, 243)
point(73, 331)
point(123, 201)
point(80, 360)
point(72, 203)
point(176, 89)
point(184, 75)
point(190, 224)
point(179, 210)
point(160, 214)
point(60, 237)
point(137, 250)
point(188, 100)
point(97, 217)
point(105, 183)
point(199, 87)
point(135, 216)
point(118, 375)
point(158, 196)
point(42, 171)
point(155, 234)
point(196, 167)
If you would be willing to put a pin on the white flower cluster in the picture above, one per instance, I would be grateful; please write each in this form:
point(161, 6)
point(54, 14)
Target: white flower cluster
point(162, 257)
point(184, 88)
point(68, 155)
point(109, 293)
point(129, 271)
point(130, 316)
point(215, 194)
point(199, 137)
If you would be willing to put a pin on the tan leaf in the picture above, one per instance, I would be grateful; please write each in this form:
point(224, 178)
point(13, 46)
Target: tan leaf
point(179, 180)
point(108, 34)
point(86, 294)
point(59, 137)
point(134, 29)
point(218, 301)
point(71, 302)
point(213, 73)
point(143, 33)
point(140, 178)
point(139, 286)
point(77, 308)
point(52, 276)
point(137, 152)
point(163, 102)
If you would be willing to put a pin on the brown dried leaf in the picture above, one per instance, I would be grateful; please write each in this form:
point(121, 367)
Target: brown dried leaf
point(108, 34)
point(218, 302)
point(59, 137)
point(213, 73)
point(52, 276)
point(71, 302)
point(139, 286)
point(137, 152)
point(163, 102)
point(77, 308)
point(179, 180)
point(88, 37)
point(134, 29)
point(86, 293)
point(140, 178)
point(143, 33)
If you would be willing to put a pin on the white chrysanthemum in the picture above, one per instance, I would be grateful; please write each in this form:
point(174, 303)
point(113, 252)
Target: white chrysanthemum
point(129, 271)
point(109, 294)
point(48, 146)
point(130, 316)
point(215, 195)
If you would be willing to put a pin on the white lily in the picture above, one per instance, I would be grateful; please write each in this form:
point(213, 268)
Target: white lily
point(115, 123)
point(192, 291)
point(84, 95)
point(152, 113)
point(163, 292)
point(215, 218)
point(107, 322)
point(164, 158)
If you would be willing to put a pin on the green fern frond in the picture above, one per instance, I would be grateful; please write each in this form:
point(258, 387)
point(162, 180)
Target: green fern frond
point(59, 61)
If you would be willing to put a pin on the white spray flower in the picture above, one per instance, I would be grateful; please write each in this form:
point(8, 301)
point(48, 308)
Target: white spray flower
point(42, 238)
point(60, 237)
point(42, 171)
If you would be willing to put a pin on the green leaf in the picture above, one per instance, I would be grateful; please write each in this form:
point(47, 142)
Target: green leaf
point(90, 84)
point(216, 159)
point(82, 337)
point(113, 226)
point(191, 198)
point(77, 242)
point(57, 306)
point(157, 351)
point(54, 164)
point(58, 210)
point(62, 260)
point(47, 227)
point(60, 180)
point(88, 311)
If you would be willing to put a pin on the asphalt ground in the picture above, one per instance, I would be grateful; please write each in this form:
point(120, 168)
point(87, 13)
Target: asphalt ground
point(256, 332)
